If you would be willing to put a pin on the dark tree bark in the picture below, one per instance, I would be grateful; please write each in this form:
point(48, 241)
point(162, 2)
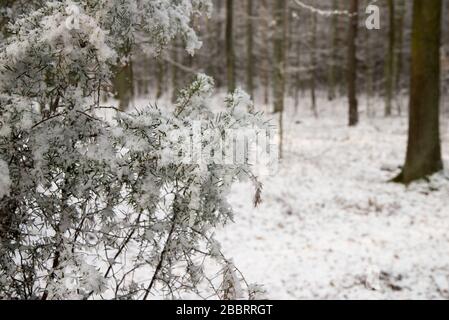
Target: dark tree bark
point(298, 79)
point(370, 72)
point(4, 20)
point(160, 67)
point(352, 64)
point(333, 56)
point(219, 43)
point(230, 54)
point(175, 74)
point(389, 63)
point(266, 52)
point(8, 207)
point(401, 9)
point(424, 146)
point(123, 85)
point(249, 48)
point(313, 60)
point(279, 55)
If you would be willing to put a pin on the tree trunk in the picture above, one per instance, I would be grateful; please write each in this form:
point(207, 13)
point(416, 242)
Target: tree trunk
point(230, 54)
point(266, 52)
point(3, 23)
point(218, 44)
point(249, 48)
point(340, 70)
point(370, 73)
point(160, 78)
point(4, 20)
point(175, 73)
point(333, 58)
point(424, 147)
point(389, 63)
point(123, 84)
point(352, 64)
point(313, 65)
point(401, 9)
point(298, 80)
point(279, 55)
point(8, 207)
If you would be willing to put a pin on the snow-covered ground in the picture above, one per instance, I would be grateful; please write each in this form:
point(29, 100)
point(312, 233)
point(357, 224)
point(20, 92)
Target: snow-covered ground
point(331, 226)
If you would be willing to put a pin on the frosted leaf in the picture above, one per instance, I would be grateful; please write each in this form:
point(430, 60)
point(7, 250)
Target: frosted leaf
point(257, 292)
point(5, 129)
point(231, 286)
point(5, 182)
point(239, 102)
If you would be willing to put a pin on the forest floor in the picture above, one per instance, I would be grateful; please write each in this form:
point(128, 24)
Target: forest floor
point(331, 226)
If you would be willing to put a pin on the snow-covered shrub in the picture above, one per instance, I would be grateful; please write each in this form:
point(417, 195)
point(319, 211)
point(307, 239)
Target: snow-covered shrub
point(91, 208)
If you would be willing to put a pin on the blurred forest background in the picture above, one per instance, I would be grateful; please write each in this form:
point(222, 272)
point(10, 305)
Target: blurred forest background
point(239, 41)
point(288, 54)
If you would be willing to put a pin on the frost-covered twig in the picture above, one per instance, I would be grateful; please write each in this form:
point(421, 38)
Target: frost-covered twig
point(326, 13)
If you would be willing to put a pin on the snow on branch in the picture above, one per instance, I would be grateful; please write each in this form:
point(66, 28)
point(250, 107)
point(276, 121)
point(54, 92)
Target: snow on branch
point(326, 13)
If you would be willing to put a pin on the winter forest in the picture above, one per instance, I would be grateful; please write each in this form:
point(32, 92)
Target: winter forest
point(224, 149)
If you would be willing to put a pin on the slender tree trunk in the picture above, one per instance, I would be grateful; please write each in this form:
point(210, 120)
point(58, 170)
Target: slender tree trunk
point(333, 59)
point(266, 52)
point(249, 48)
point(279, 55)
point(289, 38)
point(280, 10)
point(160, 78)
point(230, 54)
point(218, 67)
point(298, 81)
point(124, 85)
point(4, 19)
point(3, 22)
point(370, 73)
point(352, 64)
point(8, 207)
point(175, 73)
point(146, 79)
point(401, 9)
point(424, 147)
point(313, 64)
point(340, 70)
point(389, 63)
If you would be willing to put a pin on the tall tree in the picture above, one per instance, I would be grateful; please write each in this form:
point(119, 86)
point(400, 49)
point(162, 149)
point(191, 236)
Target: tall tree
point(297, 80)
point(279, 45)
point(352, 63)
point(3, 19)
point(370, 71)
point(266, 18)
point(230, 53)
point(160, 72)
point(249, 48)
point(279, 55)
point(175, 73)
point(124, 84)
point(389, 62)
point(401, 11)
point(218, 42)
point(313, 63)
point(333, 56)
point(424, 146)
point(124, 76)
